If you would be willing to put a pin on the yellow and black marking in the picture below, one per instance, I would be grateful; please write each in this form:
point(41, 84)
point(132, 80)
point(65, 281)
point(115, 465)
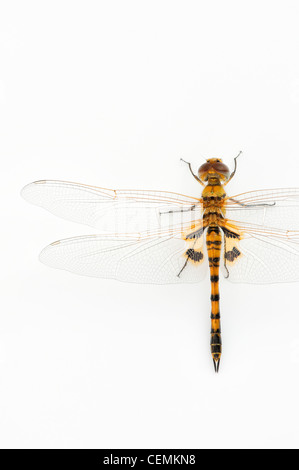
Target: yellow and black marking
point(231, 252)
point(195, 234)
point(213, 175)
point(193, 254)
point(214, 242)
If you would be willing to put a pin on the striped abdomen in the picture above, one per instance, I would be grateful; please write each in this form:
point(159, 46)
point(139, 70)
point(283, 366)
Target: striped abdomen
point(214, 241)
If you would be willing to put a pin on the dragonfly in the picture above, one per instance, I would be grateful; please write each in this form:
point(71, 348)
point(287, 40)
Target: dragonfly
point(161, 237)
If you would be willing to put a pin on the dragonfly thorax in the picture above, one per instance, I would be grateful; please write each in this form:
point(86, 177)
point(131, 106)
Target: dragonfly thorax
point(213, 193)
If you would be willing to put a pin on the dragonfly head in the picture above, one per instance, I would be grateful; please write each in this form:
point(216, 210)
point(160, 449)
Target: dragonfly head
point(213, 168)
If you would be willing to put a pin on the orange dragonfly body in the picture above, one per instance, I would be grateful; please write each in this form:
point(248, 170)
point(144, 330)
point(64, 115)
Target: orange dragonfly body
point(162, 237)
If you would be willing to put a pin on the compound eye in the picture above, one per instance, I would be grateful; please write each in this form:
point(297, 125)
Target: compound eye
point(204, 168)
point(220, 167)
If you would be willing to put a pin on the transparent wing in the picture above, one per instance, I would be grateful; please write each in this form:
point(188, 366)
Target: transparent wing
point(260, 255)
point(117, 211)
point(277, 208)
point(158, 260)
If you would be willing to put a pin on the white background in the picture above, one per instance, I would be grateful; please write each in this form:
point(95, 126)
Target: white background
point(113, 93)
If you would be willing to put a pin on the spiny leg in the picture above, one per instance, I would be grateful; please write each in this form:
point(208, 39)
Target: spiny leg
point(238, 202)
point(179, 210)
point(185, 264)
point(250, 205)
point(231, 252)
point(192, 254)
point(193, 174)
point(227, 271)
point(235, 168)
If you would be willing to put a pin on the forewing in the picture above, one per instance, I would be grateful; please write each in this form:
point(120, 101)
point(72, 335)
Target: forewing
point(277, 208)
point(117, 211)
point(163, 259)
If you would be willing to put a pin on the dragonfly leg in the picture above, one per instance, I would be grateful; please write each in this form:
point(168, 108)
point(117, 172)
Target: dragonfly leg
point(186, 262)
point(250, 205)
point(193, 254)
point(235, 168)
point(192, 173)
point(179, 210)
point(227, 271)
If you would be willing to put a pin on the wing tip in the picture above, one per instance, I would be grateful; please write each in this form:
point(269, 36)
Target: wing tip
point(44, 254)
point(26, 191)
